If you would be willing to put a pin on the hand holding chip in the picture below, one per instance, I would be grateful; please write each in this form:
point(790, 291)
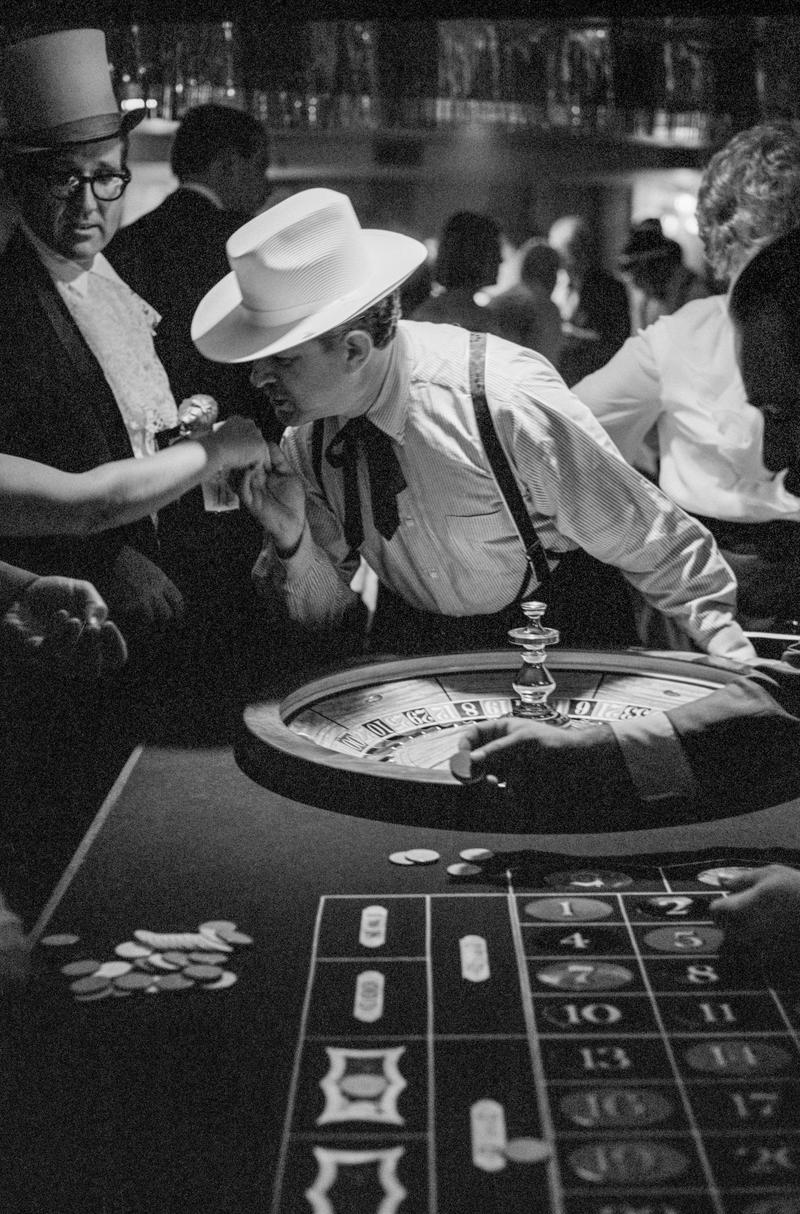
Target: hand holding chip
point(62, 624)
point(520, 752)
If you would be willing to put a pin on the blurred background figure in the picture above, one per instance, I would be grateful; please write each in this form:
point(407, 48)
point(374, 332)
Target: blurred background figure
point(660, 282)
point(525, 313)
point(593, 304)
point(468, 259)
point(171, 257)
point(673, 400)
point(175, 253)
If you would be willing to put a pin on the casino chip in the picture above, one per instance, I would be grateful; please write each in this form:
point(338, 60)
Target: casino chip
point(155, 962)
point(527, 1150)
point(463, 870)
point(415, 855)
point(476, 855)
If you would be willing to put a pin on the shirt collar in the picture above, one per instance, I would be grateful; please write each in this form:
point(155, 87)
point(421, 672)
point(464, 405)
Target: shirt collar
point(388, 411)
point(197, 188)
point(62, 270)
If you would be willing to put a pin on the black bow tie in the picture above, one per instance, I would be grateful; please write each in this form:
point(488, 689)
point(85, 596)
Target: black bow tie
point(386, 478)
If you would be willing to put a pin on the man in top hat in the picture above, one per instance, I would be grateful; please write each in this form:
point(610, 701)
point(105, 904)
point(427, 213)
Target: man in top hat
point(81, 381)
point(385, 456)
point(655, 268)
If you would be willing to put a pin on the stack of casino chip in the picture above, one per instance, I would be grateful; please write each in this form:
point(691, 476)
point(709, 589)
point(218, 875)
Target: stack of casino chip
point(152, 962)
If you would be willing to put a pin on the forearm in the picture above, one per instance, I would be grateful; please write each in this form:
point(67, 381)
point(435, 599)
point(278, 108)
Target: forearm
point(36, 499)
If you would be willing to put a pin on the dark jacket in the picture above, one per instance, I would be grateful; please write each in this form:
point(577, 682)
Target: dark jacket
point(172, 257)
point(57, 407)
point(743, 742)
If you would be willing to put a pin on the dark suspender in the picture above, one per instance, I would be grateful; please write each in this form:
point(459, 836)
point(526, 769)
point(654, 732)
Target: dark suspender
point(506, 481)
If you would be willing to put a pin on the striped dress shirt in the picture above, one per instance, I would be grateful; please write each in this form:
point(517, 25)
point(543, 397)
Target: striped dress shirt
point(456, 550)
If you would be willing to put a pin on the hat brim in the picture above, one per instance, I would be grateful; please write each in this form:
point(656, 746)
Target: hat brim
point(223, 330)
point(72, 134)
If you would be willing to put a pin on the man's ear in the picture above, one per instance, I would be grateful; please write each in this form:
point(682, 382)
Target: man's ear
point(358, 348)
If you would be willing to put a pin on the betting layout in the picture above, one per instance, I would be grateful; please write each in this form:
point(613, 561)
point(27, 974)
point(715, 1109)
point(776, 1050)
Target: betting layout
point(569, 1036)
point(412, 721)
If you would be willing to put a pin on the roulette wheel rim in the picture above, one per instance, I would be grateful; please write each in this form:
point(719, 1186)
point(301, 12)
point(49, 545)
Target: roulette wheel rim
point(271, 753)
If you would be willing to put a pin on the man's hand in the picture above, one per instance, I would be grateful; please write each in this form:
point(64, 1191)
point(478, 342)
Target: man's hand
point(141, 595)
point(516, 750)
point(761, 916)
point(565, 778)
point(275, 495)
point(62, 624)
point(237, 443)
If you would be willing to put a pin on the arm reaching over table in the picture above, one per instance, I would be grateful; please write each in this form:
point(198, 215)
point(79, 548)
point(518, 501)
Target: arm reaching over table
point(529, 756)
point(732, 752)
point(36, 499)
point(761, 915)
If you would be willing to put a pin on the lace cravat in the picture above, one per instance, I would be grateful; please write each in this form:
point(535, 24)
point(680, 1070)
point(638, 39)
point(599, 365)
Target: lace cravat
point(386, 478)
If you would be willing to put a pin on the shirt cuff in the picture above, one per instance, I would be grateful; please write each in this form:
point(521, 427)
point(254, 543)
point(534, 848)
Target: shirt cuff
point(731, 643)
point(655, 759)
point(269, 562)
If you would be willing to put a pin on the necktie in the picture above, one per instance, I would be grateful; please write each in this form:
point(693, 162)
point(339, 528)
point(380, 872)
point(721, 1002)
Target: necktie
point(386, 478)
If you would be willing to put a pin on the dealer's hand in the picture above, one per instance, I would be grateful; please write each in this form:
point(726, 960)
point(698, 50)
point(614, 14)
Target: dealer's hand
point(515, 750)
point(761, 915)
point(276, 496)
point(62, 624)
point(553, 772)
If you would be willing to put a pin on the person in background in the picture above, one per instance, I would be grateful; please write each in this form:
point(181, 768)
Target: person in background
point(731, 752)
point(175, 253)
point(171, 257)
point(414, 491)
point(675, 387)
point(654, 266)
point(593, 304)
point(468, 258)
point(525, 312)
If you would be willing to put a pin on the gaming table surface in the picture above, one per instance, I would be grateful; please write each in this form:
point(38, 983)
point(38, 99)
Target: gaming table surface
point(396, 1038)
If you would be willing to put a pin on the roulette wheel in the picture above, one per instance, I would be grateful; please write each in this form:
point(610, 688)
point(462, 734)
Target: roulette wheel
point(375, 739)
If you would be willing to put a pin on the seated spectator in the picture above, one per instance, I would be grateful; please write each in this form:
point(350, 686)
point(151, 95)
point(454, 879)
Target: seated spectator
point(525, 313)
point(468, 259)
point(660, 282)
point(593, 304)
point(679, 378)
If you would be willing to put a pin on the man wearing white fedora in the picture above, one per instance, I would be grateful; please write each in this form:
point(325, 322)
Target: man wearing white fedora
point(311, 300)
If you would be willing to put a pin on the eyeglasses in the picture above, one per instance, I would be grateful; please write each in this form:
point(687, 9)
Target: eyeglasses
point(106, 187)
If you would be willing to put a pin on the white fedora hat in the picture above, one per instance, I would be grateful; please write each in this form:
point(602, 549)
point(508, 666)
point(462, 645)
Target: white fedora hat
point(56, 91)
point(298, 270)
